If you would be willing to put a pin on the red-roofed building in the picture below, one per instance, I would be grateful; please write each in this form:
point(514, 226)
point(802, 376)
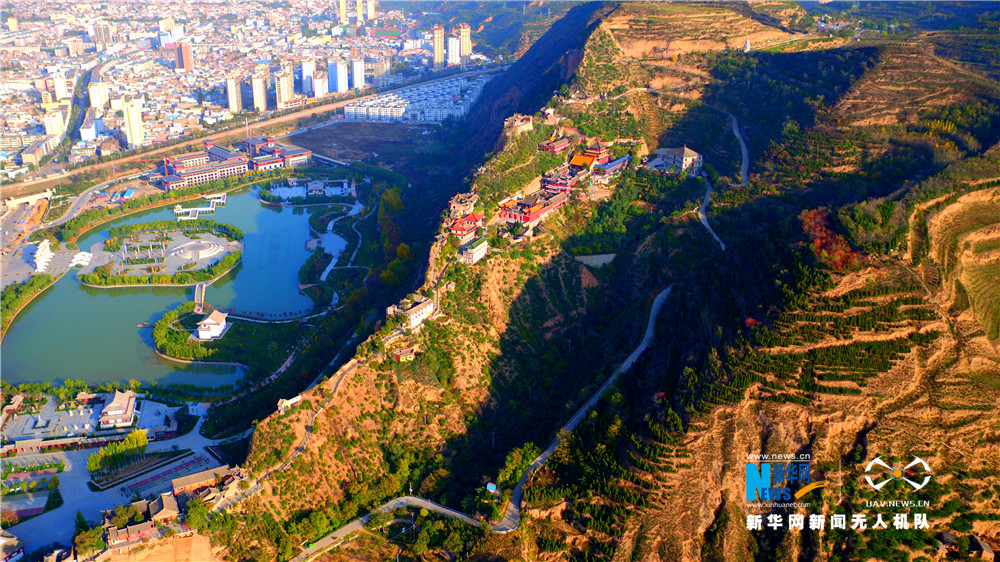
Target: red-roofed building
point(465, 228)
point(557, 146)
point(600, 151)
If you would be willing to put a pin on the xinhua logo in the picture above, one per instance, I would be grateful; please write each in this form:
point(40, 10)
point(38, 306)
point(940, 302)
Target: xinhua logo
point(898, 473)
point(779, 479)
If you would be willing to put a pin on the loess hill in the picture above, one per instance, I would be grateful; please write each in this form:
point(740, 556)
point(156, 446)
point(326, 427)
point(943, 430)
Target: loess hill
point(853, 313)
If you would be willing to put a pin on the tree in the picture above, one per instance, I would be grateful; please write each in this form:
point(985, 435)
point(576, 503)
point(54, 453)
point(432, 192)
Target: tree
point(80, 522)
point(8, 518)
point(197, 514)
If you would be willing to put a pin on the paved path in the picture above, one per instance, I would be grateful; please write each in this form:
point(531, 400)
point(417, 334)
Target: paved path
point(512, 515)
point(355, 209)
point(335, 538)
point(745, 164)
point(744, 177)
point(82, 200)
point(704, 217)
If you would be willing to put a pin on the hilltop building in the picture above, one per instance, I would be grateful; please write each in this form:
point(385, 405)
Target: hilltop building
point(676, 160)
point(518, 124)
point(474, 251)
point(415, 311)
point(463, 204)
point(465, 228)
point(533, 208)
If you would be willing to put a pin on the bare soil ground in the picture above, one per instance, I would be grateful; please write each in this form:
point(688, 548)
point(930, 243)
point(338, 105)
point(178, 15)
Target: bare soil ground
point(196, 548)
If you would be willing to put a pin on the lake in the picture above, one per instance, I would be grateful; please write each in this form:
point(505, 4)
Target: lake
point(78, 332)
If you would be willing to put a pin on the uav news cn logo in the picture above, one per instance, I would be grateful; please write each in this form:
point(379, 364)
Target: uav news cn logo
point(899, 473)
point(779, 478)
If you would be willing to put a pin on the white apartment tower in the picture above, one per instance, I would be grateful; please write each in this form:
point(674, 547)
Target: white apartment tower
point(308, 73)
point(343, 12)
point(234, 92)
point(98, 94)
point(132, 109)
point(59, 87)
point(320, 83)
point(361, 11)
point(438, 44)
point(454, 56)
point(371, 9)
point(54, 124)
point(258, 83)
point(338, 73)
point(284, 87)
point(465, 40)
point(358, 73)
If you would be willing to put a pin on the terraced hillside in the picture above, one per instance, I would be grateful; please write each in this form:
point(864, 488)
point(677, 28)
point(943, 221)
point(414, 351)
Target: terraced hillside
point(830, 337)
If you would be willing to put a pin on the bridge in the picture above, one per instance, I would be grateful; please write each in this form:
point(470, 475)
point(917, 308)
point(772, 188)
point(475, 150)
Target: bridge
point(199, 297)
point(214, 200)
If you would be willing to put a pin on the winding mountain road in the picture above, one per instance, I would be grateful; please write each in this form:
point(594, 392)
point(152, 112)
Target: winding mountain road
point(744, 177)
point(512, 515)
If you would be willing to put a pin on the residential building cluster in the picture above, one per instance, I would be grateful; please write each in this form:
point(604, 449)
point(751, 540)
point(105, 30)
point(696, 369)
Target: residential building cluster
point(433, 102)
point(137, 82)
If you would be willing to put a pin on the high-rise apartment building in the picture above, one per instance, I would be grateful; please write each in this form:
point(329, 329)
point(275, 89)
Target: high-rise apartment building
point(339, 73)
point(234, 92)
point(166, 25)
point(185, 57)
point(59, 87)
point(258, 84)
point(361, 11)
point(74, 47)
point(103, 33)
point(12, 25)
point(380, 73)
point(98, 94)
point(343, 12)
point(54, 124)
point(371, 9)
point(284, 87)
point(465, 40)
point(320, 84)
point(308, 71)
point(134, 135)
point(454, 46)
point(438, 44)
point(358, 73)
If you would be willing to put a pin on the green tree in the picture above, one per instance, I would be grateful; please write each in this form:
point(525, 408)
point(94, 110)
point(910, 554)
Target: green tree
point(197, 514)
